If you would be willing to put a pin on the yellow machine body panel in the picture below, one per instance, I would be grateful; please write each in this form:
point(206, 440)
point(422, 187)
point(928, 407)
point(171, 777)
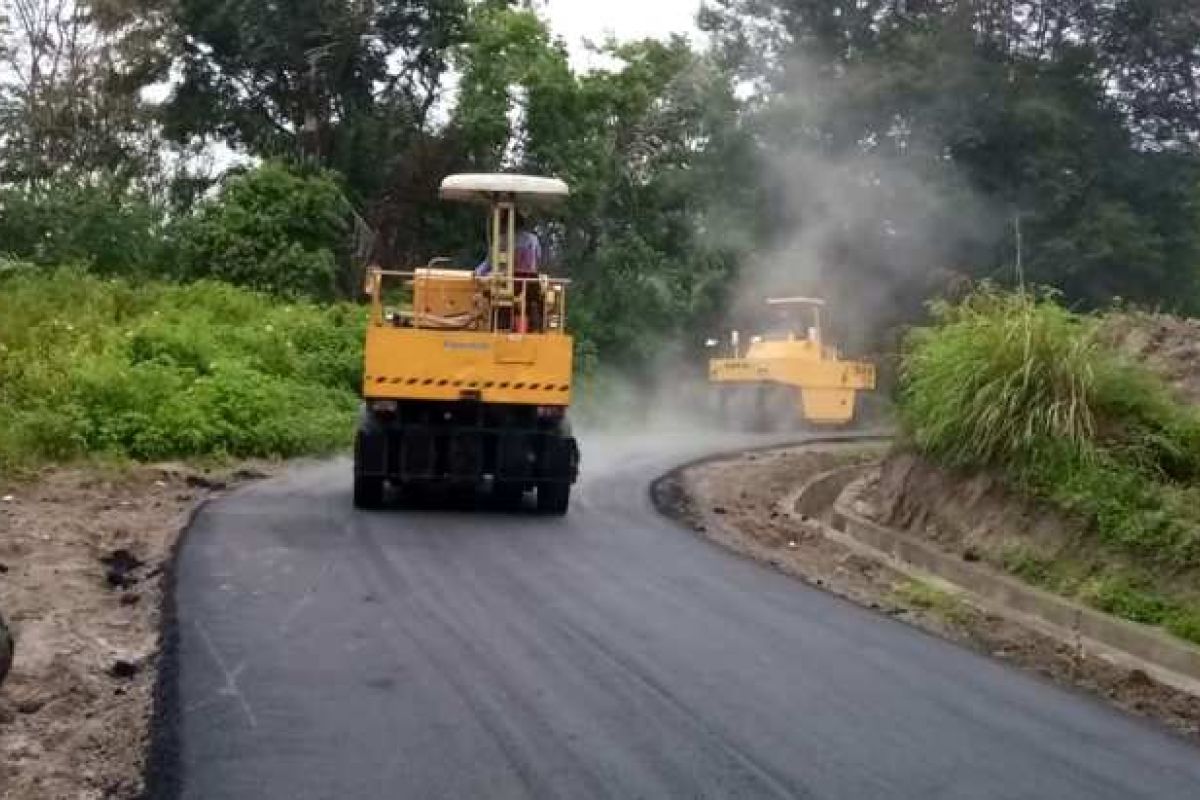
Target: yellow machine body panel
point(443, 293)
point(416, 364)
point(446, 348)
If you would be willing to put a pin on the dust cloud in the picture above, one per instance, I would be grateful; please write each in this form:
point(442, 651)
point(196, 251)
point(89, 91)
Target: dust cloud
point(668, 396)
point(874, 224)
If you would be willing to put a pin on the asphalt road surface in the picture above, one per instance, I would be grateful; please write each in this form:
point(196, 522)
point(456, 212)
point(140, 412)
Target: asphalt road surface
point(327, 653)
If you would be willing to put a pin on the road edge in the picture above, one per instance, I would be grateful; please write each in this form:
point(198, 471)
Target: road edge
point(1133, 646)
point(160, 773)
point(670, 496)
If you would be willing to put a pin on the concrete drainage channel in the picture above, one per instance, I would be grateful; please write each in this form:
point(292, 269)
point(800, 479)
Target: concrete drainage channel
point(824, 500)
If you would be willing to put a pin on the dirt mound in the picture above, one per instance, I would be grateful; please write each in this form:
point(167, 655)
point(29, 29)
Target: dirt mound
point(971, 513)
point(1168, 345)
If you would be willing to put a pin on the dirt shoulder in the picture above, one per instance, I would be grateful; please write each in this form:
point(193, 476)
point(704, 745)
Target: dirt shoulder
point(736, 501)
point(84, 560)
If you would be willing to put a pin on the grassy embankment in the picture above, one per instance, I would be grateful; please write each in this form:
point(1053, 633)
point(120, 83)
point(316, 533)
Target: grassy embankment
point(150, 371)
point(1016, 384)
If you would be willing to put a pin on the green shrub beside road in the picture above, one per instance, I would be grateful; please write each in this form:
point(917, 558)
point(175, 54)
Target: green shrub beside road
point(1015, 383)
point(93, 366)
point(272, 229)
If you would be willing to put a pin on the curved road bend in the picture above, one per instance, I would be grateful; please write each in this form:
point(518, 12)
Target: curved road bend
point(330, 654)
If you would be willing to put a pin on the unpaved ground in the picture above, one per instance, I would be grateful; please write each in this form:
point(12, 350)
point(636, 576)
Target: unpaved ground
point(735, 502)
point(1168, 345)
point(83, 561)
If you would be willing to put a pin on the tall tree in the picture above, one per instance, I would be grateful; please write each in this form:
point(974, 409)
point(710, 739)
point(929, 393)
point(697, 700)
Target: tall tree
point(1048, 113)
point(351, 86)
point(663, 176)
point(65, 112)
point(1151, 54)
point(343, 83)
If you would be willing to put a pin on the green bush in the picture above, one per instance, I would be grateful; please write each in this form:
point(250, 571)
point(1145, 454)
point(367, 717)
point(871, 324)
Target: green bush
point(1185, 623)
point(270, 229)
point(998, 378)
point(1013, 381)
point(112, 229)
point(154, 371)
point(1137, 599)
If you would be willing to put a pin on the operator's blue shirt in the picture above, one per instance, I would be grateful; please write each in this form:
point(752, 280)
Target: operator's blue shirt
point(528, 253)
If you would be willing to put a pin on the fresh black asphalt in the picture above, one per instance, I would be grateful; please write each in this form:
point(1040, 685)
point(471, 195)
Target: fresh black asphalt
point(321, 652)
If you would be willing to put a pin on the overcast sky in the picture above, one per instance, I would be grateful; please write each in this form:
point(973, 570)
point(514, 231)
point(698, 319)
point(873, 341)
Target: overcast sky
point(576, 20)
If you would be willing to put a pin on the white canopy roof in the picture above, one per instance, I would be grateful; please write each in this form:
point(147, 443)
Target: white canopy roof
point(795, 301)
point(528, 189)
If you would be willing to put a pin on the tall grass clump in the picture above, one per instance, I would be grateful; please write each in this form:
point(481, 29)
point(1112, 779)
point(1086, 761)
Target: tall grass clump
point(998, 377)
point(153, 370)
point(1014, 382)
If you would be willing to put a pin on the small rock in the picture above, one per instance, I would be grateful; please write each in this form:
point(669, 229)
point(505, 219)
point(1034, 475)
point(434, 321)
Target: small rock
point(1138, 677)
point(119, 580)
point(3, 569)
point(29, 705)
point(161, 484)
point(792, 544)
point(720, 510)
point(857, 563)
point(8, 498)
point(122, 558)
point(123, 669)
point(204, 482)
point(249, 474)
point(121, 564)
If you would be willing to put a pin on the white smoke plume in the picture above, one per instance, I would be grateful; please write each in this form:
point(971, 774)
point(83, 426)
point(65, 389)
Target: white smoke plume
point(874, 227)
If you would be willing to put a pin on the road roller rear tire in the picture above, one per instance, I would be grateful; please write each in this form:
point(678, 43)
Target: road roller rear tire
point(368, 493)
point(554, 499)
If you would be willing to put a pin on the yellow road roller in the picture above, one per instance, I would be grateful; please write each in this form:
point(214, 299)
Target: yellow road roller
point(468, 372)
point(786, 376)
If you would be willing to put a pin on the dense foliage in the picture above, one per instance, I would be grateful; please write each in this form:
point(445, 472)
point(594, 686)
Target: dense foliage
point(111, 229)
point(1015, 383)
point(271, 230)
point(153, 371)
point(864, 150)
point(1077, 122)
